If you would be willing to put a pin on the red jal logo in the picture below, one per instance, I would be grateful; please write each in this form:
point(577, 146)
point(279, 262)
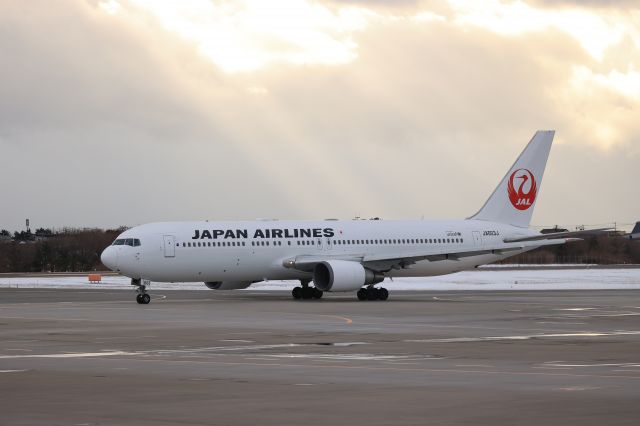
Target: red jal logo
point(525, 195)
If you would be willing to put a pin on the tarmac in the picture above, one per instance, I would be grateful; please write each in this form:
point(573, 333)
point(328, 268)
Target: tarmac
point(95, 357)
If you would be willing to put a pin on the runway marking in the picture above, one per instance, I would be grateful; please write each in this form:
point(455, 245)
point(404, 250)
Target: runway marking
point(237, 340)
point(220, 349)
point(12, 371)
point(69, 355)
point(354, 357)
point(345, 319)
point(524, 337)
point(574, 309)
point(624, 364)
point(577, 388)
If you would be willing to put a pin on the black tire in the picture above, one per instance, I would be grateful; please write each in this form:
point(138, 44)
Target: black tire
point(145, 298)
point(307, 293)
point(139, 299)
point(372, 294)
point(362, 294)
point(317, 294)
point(297, 293)
point(383, 294)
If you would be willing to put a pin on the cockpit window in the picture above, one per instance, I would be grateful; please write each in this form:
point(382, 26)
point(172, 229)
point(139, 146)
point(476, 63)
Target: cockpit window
point(133, 242)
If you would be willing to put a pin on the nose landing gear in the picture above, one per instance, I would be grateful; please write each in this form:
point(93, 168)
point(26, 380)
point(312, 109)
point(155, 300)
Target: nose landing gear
point(372, 293)
point(142, 297)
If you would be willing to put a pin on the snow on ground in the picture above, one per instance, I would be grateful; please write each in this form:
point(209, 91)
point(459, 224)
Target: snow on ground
point(564, 279)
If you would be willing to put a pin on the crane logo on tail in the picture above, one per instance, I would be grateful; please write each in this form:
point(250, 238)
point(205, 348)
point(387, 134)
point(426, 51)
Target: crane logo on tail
point(524, 196)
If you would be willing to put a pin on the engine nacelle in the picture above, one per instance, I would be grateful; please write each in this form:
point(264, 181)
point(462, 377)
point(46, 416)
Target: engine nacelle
point(343, 275)
point(228, 285)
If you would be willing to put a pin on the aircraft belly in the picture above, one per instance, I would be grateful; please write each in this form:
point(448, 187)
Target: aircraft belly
point(427, 268)
point(232, 266)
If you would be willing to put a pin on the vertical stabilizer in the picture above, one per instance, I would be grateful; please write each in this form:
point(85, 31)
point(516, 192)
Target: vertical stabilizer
point(513, 201)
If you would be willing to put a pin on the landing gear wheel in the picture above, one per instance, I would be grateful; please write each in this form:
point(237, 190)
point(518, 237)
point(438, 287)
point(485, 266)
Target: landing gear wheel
point(362, 294)
point(317, 294)
point(372, 294)
point(307, 293)
point(141, 287)
point(383, 294)
point(297, 293)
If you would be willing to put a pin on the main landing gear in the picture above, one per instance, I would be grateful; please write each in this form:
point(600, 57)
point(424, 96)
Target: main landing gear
point(372, 293)
point(143, 297)
point(305, 292)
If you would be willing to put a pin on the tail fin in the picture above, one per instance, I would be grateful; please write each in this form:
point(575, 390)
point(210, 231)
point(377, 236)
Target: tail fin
point(512, 202)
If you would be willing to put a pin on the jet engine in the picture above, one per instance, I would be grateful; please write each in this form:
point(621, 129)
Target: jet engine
point(343, 275)
point(228, 285)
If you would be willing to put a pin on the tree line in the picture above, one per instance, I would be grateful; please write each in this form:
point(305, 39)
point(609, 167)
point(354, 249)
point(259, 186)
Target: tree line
point(78, 250)
point(46, 250)
point(602, 250)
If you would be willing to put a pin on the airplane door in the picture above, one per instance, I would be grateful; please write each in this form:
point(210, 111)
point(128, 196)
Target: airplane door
point(169, 246)
point(477, 239)
point(328, 244)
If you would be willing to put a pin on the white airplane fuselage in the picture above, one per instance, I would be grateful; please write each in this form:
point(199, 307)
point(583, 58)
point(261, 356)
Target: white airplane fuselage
point(251, 250)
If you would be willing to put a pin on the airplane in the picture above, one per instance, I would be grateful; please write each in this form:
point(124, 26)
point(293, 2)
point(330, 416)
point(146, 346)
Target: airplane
point(634, 234)
point(340, 255)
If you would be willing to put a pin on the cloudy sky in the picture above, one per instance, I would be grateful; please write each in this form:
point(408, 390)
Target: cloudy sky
point(121, 112)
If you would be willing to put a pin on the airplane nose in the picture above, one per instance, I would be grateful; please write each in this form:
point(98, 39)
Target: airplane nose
point(109, 258)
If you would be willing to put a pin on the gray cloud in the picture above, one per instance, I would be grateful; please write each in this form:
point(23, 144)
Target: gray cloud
point(104, 124)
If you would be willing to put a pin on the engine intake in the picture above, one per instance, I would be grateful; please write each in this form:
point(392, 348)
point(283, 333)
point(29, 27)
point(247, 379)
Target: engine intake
point(228, 285)
point(343, 275)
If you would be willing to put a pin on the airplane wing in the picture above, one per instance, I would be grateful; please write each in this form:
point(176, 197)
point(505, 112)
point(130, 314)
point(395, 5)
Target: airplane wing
point(556, 235)
point(386, 262)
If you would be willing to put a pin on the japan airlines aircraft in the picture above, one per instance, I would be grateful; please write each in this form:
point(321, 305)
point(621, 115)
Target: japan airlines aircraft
point(339, 256)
